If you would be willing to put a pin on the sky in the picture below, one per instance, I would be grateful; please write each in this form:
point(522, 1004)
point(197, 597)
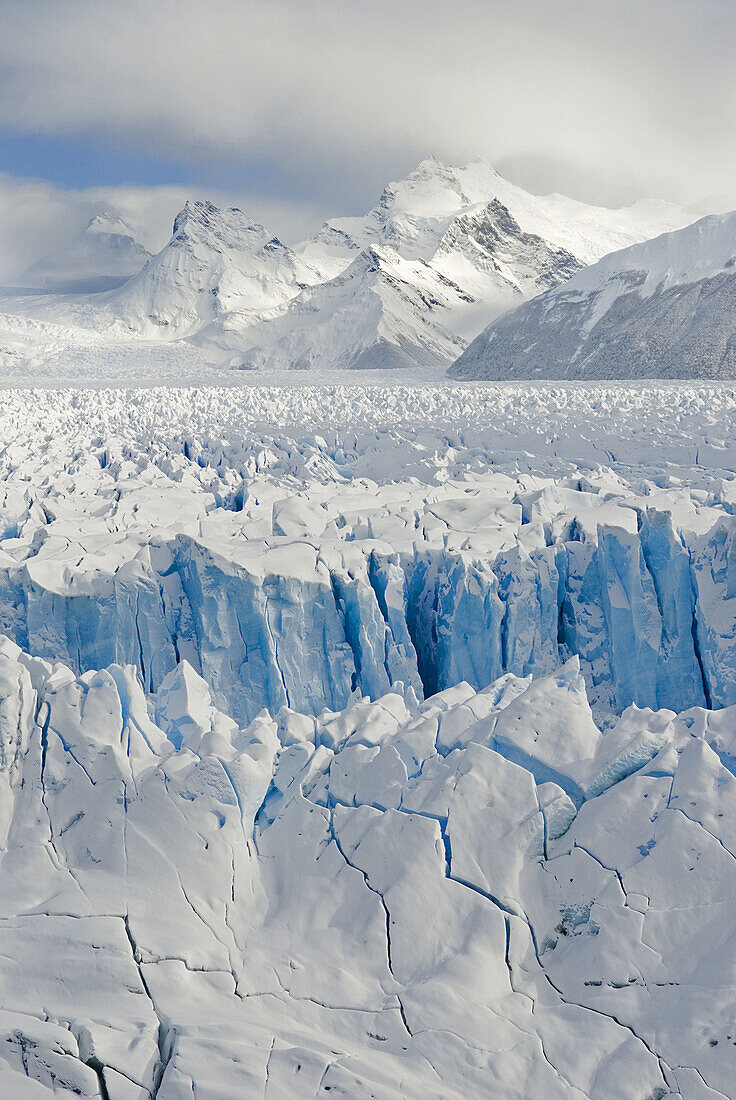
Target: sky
point(301, 109)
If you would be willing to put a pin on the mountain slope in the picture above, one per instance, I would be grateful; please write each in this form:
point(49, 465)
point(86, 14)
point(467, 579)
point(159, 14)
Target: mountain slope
point(386, 310)
point(103, 257)
point(442, 254)
point(662, 309)
point(217, 262)
point(383, 311)
point(497, 263)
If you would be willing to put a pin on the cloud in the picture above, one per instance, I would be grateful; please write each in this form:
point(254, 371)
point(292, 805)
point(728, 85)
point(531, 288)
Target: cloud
point(37, 218)
point(34, 218)
point(321, 102)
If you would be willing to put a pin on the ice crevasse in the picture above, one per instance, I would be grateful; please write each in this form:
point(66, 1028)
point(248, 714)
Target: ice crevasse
point(284, 622)
point(481, 894)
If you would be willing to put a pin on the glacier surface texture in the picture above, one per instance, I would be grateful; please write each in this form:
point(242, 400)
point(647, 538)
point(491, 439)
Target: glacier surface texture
point(368, 742)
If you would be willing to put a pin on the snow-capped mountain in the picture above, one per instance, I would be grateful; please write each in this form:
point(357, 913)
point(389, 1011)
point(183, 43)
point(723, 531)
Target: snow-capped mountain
point(383, 311)
point(104, 256)
point(442, 254)
point(661, 309)
point(489, 242)
point(453, 254)
point(387, 310)
point(219, 262)
point(413, 215)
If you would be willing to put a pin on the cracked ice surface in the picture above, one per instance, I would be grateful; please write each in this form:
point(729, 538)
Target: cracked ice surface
point(240, 856)
point(300, 546)
point(379, 902)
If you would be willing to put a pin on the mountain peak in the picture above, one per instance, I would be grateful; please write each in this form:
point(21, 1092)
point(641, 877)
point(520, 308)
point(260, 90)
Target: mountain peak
point(431, 165)
point(203, 220)
point(436, 190)
point(103, 257)
point(108, 221)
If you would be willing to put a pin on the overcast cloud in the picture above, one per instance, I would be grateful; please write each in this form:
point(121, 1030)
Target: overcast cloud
point(309, 107)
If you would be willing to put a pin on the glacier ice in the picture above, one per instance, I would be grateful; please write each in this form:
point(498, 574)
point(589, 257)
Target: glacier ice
point(384, 901)
point(390, 759)
point(393, 591)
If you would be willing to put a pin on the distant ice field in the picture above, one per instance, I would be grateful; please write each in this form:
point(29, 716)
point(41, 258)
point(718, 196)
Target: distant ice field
point(657, 426)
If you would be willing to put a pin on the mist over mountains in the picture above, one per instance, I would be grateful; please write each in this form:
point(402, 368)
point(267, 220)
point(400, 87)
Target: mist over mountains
point(441, 255)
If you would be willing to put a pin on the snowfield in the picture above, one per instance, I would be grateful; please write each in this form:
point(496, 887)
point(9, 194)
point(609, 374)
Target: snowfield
point(370, 741)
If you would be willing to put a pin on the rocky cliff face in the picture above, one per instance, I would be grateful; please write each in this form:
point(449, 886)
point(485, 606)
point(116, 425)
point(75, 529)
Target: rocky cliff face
point(663, 309)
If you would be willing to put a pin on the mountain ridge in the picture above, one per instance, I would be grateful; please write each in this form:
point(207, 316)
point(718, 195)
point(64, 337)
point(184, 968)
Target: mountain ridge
point(454, 248)
point(663, 308)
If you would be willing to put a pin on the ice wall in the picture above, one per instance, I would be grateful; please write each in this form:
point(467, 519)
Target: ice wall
point(629, 604)
point(287, 622)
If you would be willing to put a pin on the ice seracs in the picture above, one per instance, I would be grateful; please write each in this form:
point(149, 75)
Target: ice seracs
point(372, 740)
point(362, 549)
point(661, 309)
point(384, 901)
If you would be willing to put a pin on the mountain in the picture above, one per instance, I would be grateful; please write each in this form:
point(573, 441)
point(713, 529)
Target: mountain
point(103, 257)
point(383, 311)
point(492, 244)
point(413, 214)
point(386, 310)
point(662, 309)
point(218, 262)
point(408, 283)
point(440, 256)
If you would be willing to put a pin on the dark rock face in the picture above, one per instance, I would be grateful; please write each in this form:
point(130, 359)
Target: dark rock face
point(493, 241)
point(686, 331)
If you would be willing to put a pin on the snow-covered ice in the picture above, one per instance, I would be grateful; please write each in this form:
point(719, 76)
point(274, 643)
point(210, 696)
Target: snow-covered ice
point(437, 535)
point(370, 742)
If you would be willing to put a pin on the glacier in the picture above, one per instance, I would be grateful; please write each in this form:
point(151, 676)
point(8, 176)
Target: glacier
point(397, 900)
point(305, 590)
point(370, 742)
